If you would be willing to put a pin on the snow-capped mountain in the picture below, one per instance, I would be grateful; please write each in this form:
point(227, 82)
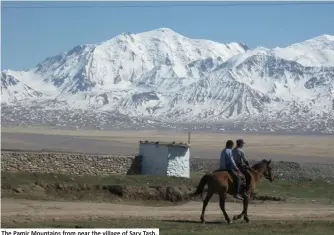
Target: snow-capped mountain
point(318, 51)
point(165, 77)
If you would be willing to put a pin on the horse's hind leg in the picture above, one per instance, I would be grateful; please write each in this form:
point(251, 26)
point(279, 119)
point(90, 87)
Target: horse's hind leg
point(244, 210)
point(222, 207)
point(206, 201)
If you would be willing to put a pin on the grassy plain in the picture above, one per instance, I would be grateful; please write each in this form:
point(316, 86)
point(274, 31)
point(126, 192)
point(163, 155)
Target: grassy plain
point(54, 200)
point(298, 148)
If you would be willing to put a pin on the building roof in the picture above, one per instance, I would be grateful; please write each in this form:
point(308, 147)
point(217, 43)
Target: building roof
point(170, 144)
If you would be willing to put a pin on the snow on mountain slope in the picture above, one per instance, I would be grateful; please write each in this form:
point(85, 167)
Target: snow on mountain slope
point(12, 90)
point(118, 62)
point(24, 86)
point(260, 83)
point(315, 52)
point(284, 78)
point(284, 81)
point(167, 77)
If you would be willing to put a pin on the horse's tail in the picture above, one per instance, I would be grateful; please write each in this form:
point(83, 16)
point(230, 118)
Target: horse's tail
point(201, 185)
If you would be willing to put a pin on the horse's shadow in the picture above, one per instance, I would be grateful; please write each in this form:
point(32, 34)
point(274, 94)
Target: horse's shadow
point(193, 222)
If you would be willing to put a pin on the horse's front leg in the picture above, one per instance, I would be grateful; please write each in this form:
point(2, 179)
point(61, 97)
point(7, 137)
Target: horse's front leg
point(245, 202)
point(244, 209)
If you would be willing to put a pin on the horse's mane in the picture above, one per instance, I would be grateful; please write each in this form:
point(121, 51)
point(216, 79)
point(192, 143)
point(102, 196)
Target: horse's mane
point(259, 164)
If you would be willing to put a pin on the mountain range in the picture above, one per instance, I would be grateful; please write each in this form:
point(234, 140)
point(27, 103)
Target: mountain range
point(163, 78)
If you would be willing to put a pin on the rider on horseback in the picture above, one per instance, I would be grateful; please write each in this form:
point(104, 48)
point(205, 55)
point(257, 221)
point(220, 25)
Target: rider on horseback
point(227, 163)
point(242, 163)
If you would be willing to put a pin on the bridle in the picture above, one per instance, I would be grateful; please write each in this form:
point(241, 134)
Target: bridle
point(268, 177)
point(264, 175)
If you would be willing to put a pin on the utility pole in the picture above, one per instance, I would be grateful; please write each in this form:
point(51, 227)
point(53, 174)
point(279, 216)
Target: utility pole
point(189, 137)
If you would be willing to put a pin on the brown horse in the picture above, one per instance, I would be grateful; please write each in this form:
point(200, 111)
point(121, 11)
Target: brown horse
point(221, 182)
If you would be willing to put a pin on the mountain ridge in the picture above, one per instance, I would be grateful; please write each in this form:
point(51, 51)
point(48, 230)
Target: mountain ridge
point(166, 77)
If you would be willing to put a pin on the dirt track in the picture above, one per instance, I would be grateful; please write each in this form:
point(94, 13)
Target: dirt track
point(31, 210)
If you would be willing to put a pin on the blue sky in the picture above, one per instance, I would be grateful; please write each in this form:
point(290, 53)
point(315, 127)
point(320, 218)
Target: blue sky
point(31, 35)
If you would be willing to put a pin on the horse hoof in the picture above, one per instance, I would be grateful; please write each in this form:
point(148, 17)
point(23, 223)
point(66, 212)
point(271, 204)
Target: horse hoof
point(246, 220)
point(202, 221)
point(235, 217)
point(229, 222)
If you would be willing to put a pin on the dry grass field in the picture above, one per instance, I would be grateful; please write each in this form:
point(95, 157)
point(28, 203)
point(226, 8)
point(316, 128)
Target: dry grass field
point(298, 148)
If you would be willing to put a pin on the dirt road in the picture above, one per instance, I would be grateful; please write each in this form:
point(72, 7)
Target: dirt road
point(31, 210)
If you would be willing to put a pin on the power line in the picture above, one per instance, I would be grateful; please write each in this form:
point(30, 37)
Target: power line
point(172, 5)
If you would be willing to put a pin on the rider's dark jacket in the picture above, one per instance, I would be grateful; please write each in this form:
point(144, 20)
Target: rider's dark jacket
point(239, 157)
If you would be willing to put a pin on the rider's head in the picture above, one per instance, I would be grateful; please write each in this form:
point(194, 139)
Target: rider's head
point(229, 144)
point(240, 143)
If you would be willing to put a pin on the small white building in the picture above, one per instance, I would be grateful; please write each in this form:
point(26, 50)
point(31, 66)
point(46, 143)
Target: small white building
point(168, 159)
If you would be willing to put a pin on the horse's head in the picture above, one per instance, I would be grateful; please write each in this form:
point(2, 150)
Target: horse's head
point(267, 173)
point(265, 169)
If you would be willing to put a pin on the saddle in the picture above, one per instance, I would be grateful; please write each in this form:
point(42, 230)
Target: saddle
point(241, 176)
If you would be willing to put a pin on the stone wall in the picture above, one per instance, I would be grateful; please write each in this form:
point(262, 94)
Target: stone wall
point(69, 163)
point(82, 164)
